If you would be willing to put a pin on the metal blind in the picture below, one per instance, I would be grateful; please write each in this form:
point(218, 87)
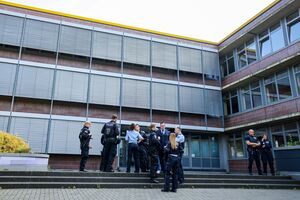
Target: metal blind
point(107, 46)
point(210, 63)
point(136, 51)
point(75, 41)
point(35, 82)
point(41, 35)
point(95, 142)
point(213, 102)
point(164, 55)
point(7, 78)
point(164, 97)
point(10, 29)
point(34, 131)
point(105, 90)
point(190, 60)
point(71, 86)
point(3, 123)
point(136, 93)
point(191, 100)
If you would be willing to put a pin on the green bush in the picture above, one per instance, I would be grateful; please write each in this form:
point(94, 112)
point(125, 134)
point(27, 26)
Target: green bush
point(10, 143)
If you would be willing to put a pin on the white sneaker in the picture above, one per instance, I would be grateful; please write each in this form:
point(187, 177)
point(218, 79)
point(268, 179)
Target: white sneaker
point(158, 171)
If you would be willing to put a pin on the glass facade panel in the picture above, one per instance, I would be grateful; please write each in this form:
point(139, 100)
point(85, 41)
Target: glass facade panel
point(265, 47)
point(277, 38)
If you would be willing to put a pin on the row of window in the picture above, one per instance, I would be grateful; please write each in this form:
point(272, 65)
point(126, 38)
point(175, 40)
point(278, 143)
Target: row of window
point(268, 41)
point(274, 88)
point(45, 36)
point(36, 82)
point(281, 135)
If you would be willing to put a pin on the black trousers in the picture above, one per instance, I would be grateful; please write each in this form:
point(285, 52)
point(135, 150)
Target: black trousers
point(171, 170)
point(180, 171)
point(132, 150)
point(153, 165)
point(254, 156)
point(267, 158)
point(84, 158)
point(162, 161)
point(109, 154)
point(143, 157)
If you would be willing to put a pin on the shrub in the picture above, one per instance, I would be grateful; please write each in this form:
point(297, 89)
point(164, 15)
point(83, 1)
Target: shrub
point(10, 143)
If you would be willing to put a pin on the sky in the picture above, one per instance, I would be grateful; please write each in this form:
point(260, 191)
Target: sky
point(202, 19)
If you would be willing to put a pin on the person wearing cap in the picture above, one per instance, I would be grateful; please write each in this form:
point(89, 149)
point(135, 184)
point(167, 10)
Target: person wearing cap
point(84, 137)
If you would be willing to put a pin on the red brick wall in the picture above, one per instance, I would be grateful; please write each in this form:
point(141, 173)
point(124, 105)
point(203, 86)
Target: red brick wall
point(242, 166)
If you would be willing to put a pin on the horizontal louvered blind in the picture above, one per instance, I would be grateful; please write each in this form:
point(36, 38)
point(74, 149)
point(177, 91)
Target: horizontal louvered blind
point(164, 97)
point(41, 35)
point(164, 55)
point(136, 51)
point(10, 29)
point(7, 77)
point(210, 63)
point(3, 123)
point(107, 46)
point(190, 60)
point(136, 93)
point(213, 102)
point(191, 100)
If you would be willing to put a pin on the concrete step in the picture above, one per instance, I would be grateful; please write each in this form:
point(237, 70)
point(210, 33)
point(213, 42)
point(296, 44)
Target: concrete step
point(140, 180)
point(10, 185)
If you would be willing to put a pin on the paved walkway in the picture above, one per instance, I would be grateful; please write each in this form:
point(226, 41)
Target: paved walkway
point(145, 194)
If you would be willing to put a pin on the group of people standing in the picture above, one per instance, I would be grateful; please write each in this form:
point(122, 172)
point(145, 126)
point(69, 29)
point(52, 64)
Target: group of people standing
point(259, 149)
point(158, 150)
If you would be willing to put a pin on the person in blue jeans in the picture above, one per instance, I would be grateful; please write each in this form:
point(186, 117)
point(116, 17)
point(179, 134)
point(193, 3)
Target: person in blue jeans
point(133, 137)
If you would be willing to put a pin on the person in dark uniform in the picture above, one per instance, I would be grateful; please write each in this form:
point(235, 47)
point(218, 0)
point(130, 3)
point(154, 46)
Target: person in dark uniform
point(253, 151)
point(154, 150)
point(180, 139)
point(163, 136)
point(84, 137)
point(110, 140)
point(266, 155)
point(143, 151)
point(172, 151)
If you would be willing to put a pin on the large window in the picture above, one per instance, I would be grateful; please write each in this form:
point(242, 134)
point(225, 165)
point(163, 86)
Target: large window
point(75, 41)
point(251, 96)
point(297, 77)
point(105, 90)
point(246, 53)
point(271, 40)
point(35, 82)
point(190, 60)
point(210, 63)
point(191, 100)
point(10, 29)
point(136, 51)
point(164, 97)
point(278, 87)
point(277, 136)
point(71, 86)
point(231, 103)
point(107, 46)
point(164, 55)
point(7, 78)
point(136, 93)
point(213, 102)
point(227, 64)
point(41, 35)
point(236, 146)
point(293, 26)
point(291, 134)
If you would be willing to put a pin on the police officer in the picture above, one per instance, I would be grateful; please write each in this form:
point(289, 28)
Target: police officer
point(84, 137)
point(154, 150)
point(172, 151)
point(143, 151)
point(180, 139)
point(266, 155)
point(253, 151)
point(163, 136)
point(110, 139)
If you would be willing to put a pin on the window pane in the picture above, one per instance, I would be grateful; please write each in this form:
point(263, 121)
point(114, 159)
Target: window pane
point(256, 97)
point(71, 86)
point(75, 41)
point(297, 76)
point(105, 90)
point(35, 82)
point(10, 30)
point(239, 145)
point(231, 149)
point(246, 100)
point(191, 100)
point(292, 138)
point(251, 52)
point(195, 147)
point(136, 51)
point(213, 102)
point(271, 92)
point(234, 104)
point(3, 123)
point(277, 136)
point(210, 63)
point(242, 59)
point(231, 68)
point(107, 46)
point(136, 93)
point(7, 78)
point(164, 97)
point(164, 55)
point(41, 35)
point(227, 107)
point(294, 27)
point(265, 47)
point(190, 60)
point(277, 37)
point(284, 88)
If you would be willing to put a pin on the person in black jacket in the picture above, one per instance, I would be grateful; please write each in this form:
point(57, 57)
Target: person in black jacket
point(172, 151)
point(253, 145)
point(266, 155)
point(110, 140)
point(143, 151)
point(84, 137)
point(163, 136)
point(154, 150)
